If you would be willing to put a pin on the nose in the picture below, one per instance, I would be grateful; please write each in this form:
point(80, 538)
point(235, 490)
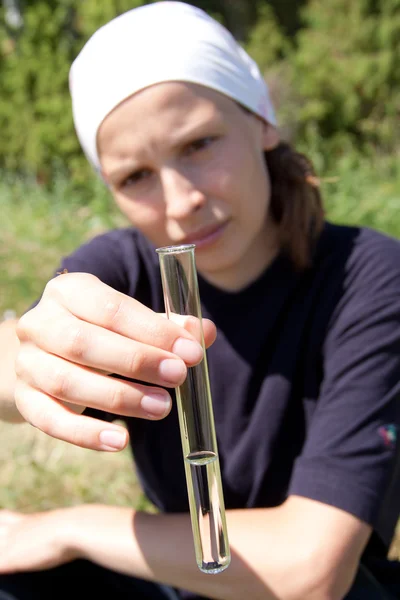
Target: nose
point(182, 196)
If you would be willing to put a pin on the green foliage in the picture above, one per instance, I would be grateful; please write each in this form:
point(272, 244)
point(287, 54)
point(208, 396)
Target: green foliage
point(39, 226)
point(266, 42)
point(338, 78)
point(33, 105)
point(346, 70)
point(35, 112)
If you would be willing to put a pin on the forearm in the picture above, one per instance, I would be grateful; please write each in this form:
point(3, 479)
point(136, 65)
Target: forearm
point(8, 350)
point(158, 548)
point(265, 563)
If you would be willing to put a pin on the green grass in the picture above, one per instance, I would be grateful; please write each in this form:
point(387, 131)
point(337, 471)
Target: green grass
point(38, 472)
point(38, 227)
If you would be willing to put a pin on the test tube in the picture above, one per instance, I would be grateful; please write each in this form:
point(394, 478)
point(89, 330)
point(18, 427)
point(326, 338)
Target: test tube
point(196, 419)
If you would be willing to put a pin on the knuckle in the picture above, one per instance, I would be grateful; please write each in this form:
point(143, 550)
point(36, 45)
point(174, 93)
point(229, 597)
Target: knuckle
point(66, 282)
point(117, 399)
point(25, 325)
point(58, 383)
point(51, 286)
point(75, 344)
point(30, 326)
point(113, 311)
point(135, 362)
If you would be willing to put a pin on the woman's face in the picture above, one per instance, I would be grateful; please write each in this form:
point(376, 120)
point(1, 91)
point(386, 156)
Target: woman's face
point(185, 164)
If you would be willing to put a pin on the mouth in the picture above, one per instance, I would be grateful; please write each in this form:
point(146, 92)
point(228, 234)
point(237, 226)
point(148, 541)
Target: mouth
point(206, 235)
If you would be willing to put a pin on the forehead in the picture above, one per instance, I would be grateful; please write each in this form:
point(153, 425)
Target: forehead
point(168, 109)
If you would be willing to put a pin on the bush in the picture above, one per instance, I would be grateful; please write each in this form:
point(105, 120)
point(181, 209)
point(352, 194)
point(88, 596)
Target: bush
point(266, 42)
point(35, 112)
point(337, 79)
point(345, 68)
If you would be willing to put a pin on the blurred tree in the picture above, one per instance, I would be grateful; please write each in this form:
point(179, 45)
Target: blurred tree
point(35, 113)
point(346, 69)
point(339, 75)
point(239, 16)
point(266, 42)
point(288, 14)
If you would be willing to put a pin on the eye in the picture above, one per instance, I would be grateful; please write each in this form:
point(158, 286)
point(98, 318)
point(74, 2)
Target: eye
point(135, 178)
point(200, 144)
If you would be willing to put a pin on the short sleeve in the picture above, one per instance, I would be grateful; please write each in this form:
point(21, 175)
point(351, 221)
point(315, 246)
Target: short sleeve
point(105, 256)
point(350, 458)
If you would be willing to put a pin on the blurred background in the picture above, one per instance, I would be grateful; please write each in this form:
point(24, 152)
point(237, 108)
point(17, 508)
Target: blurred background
point(334, 73)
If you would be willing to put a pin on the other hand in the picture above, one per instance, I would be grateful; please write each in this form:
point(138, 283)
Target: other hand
point(31, 542)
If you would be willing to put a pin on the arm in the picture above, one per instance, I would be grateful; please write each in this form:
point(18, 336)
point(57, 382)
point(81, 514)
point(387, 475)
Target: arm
point(9, 346)
point(302, 549)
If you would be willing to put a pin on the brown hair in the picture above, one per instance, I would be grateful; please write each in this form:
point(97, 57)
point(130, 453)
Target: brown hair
point(296, 202)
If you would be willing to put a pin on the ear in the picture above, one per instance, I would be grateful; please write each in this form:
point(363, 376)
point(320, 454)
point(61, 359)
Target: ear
point(270, 136)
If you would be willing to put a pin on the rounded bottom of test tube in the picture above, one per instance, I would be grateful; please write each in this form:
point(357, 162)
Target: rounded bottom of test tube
point(213, 568)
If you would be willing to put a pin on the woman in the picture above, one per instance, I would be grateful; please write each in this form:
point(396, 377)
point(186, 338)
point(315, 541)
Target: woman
point(304, 370)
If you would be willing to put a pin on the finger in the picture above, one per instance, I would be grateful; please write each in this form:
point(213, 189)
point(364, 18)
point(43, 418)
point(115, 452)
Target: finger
point(112, 310)
point(92, 346)
point(198, 328)
point(56, 420)
point(81, 387)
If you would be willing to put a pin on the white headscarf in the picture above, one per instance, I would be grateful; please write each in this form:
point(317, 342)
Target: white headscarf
point(164, 41)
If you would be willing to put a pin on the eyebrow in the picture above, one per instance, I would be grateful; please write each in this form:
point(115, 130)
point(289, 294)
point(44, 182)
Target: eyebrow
point(181, 139)
point(127, 167)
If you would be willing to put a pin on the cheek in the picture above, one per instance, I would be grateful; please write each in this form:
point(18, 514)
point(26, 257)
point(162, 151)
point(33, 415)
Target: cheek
point(141, 215)
point(219, 182)
point(220, 177)
point(241, 180)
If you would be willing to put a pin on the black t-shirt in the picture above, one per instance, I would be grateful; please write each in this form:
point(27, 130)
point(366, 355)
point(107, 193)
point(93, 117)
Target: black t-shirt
point(305, 377)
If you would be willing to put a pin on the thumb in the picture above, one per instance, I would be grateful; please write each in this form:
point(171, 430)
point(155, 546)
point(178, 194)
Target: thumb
point(193, 326)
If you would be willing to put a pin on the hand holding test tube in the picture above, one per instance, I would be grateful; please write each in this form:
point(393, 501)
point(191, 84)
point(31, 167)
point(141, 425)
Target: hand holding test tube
point(196, 419)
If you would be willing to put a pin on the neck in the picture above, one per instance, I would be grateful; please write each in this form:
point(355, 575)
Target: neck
point(257, 259)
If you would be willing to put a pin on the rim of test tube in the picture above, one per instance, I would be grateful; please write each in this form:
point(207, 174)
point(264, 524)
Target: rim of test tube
point(175, 249)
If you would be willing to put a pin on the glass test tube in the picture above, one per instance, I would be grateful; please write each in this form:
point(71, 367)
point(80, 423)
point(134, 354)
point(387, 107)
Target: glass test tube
point(196, 419)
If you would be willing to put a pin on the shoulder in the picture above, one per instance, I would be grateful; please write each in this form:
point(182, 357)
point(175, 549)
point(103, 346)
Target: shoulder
point(365, 297)
point(116, 257)
point(362, 258)
point(114, 240)
point(114, 245)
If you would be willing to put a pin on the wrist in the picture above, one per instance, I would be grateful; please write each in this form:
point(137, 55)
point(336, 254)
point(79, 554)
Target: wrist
point(70, 531)
point(89, 531)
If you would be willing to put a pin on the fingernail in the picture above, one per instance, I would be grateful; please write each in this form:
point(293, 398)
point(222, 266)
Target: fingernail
point(172, 370)
point(156, 405)
point(112, 440)
point(188, 350)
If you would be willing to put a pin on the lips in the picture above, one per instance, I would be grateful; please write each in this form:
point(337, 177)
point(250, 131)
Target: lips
point(205, 235)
